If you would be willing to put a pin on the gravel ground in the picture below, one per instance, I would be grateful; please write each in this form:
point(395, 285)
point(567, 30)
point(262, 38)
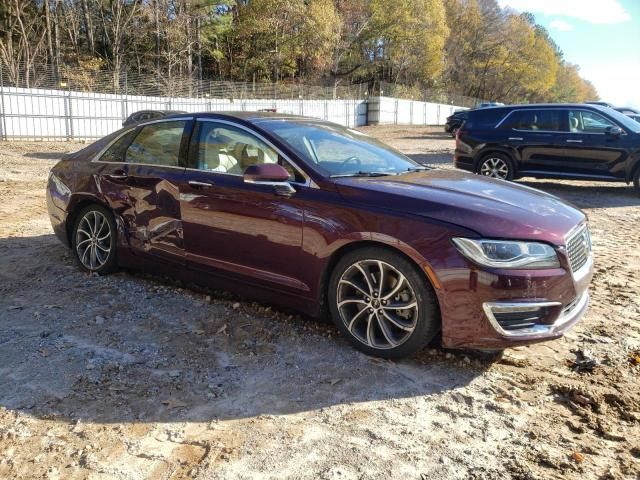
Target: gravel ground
point(131, 377)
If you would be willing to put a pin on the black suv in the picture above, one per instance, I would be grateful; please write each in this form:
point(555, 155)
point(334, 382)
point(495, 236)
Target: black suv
point(566, 141)
point(455, 121)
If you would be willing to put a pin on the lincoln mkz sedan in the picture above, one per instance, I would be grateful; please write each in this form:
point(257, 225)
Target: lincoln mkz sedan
point(326, 220)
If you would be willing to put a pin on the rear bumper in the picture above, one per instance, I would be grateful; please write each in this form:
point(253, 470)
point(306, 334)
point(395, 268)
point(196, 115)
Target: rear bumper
point(463, 163)
point(57, 199)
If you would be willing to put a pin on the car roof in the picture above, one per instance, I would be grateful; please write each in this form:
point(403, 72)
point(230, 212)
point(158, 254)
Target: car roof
point(248, 116)
point(535, 106)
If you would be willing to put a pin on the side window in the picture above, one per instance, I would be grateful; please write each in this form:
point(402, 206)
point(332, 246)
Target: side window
point(226, 149)
point(533, 120)
point(116, 152)
point(157, 144)
point(582, 121)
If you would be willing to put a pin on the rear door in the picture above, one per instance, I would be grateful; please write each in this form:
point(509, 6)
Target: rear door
point(142, 183)
point(588, 147)
point(533, 136)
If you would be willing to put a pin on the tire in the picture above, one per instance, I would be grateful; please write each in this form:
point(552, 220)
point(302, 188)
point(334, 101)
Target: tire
point(496, 165)
point(373, 323)
point(95, 252)
point(636, 180)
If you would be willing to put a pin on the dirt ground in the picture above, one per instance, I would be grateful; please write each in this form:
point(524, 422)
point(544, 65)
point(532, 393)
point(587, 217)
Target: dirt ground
point(129, 376)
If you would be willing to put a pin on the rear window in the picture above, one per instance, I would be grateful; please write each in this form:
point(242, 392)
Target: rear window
point(484, 118)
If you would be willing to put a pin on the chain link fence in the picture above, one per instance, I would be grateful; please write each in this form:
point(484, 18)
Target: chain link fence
point(42, 103)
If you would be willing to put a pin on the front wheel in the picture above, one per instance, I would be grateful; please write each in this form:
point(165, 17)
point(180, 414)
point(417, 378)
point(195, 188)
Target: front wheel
point(382, 303)
point(94, 240)
point(496, 165)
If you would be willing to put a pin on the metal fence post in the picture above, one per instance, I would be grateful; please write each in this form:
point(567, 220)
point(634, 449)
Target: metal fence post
point(125, 109)
point(67, 115)
point(3, 132)
point(395, 113)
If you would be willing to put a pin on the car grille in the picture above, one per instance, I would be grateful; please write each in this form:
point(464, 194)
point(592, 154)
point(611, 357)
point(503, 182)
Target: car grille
point(579, 248)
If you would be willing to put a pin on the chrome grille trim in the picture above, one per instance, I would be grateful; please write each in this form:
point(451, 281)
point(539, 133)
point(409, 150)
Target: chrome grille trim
point(578, 246)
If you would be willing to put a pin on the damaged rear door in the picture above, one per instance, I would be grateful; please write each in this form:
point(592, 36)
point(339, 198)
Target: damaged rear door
point(147, 188)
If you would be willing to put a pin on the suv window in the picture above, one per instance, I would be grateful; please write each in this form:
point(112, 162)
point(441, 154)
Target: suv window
point(536, 120)
point(157, 144)
point(583, 121)
point(116, 152)
point(485, 118)
point(226, 149)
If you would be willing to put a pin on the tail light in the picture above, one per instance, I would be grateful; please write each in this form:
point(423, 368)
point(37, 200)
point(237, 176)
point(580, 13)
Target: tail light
point(458, 137)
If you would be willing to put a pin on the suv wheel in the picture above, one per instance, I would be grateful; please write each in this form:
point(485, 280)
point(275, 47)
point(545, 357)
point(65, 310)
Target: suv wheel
point(636, 180)
point(382, 303)
point(496, 165)
point(94, 240)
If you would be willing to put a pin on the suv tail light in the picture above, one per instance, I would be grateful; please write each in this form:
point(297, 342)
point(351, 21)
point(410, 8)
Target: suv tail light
point(458, 137)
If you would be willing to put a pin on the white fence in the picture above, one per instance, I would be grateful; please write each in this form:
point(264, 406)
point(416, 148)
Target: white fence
point(64, 115)
point(386, 110)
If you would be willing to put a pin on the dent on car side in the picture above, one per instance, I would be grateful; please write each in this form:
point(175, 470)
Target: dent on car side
point(416, 214)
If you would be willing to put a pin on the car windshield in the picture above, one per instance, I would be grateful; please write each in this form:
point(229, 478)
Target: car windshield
point(340, 151)
point(624, 120)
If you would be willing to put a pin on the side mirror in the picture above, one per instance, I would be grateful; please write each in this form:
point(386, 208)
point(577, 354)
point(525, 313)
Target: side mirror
point(614, 131)
point(270, 174)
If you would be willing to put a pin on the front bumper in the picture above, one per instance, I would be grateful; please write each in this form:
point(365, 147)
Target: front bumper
point(501, 309)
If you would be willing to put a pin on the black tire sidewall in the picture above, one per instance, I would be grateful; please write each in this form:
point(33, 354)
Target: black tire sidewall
point(636, 180)
point(428, 324)
point(111, 264)
point(501, 156)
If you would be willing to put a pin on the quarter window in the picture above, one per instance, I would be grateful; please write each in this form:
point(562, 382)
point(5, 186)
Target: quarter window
point(157, 144)
point(116, 152)
point(582, 121)
point(226, 149)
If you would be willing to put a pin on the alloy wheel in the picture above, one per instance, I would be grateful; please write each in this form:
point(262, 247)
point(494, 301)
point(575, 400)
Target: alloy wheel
point(495, 167)
point(93, 240)
point(377, 304)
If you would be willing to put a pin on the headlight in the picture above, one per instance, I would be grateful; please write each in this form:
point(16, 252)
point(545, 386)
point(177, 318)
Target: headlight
point(508, 253)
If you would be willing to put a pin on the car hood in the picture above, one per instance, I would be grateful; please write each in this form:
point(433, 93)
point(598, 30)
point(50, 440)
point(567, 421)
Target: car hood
point(492, 208)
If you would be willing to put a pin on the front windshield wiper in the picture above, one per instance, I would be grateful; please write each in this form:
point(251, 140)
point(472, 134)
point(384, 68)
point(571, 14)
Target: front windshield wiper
point(417, 169)
point(363, 174)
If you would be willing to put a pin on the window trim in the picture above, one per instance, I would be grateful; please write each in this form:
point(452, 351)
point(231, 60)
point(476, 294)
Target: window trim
point(97, 157)
point(308, 182)
point(624, 131)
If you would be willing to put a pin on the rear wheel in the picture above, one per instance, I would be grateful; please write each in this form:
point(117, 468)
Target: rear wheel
point(636, 180)
point(496, 165)
point(382, 303)
point(94, 240)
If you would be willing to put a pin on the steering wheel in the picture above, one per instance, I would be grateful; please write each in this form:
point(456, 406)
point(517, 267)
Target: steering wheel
point(355, 160)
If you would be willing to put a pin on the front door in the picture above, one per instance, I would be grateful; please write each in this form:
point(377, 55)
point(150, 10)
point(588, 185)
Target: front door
point(589, 148)
point(235, 228)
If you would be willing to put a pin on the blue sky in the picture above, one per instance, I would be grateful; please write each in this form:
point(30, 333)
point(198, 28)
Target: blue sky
point(601, 36)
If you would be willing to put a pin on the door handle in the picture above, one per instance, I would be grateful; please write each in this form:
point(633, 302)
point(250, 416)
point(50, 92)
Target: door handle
point(195, 184)
point(574, 141)
point(118, 174)
point(516, 138)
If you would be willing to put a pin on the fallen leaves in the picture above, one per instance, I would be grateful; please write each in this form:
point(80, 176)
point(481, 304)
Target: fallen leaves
point(577, 457)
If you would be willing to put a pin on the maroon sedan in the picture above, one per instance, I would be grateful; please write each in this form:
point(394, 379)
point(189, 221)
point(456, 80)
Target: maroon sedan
point(327, 220)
